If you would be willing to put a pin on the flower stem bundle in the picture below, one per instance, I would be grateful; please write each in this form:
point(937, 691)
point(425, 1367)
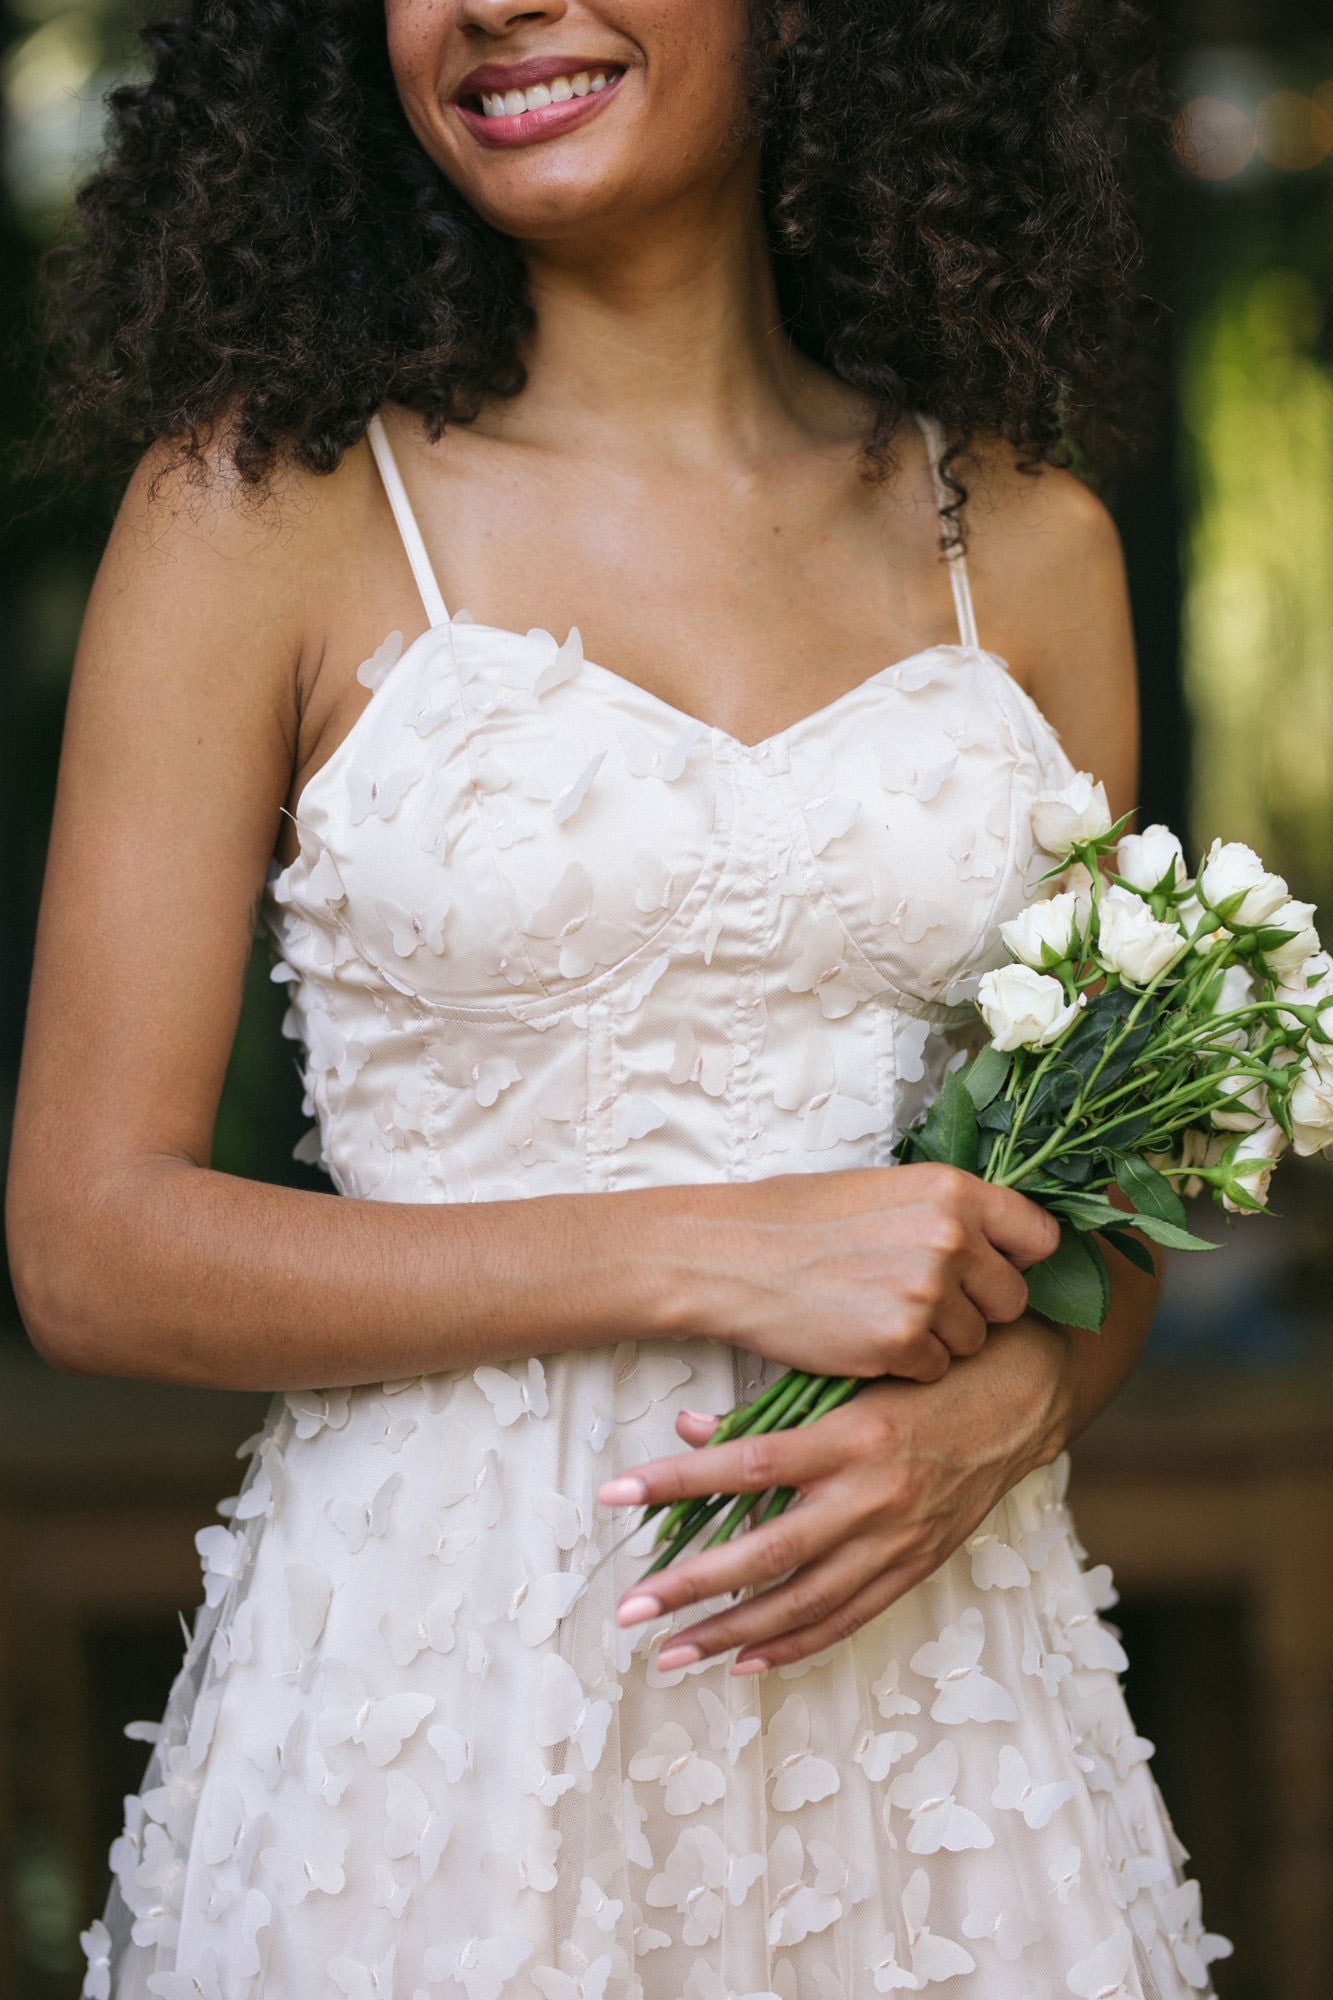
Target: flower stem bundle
point(1153, 1034)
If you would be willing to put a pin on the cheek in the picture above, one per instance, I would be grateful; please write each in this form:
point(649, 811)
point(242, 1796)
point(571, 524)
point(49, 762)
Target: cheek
point(694, 57)
point(418, 34)
point(696, 50)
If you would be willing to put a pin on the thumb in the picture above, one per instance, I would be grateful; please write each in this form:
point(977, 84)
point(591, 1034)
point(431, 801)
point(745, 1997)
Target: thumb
point(1019, 1229)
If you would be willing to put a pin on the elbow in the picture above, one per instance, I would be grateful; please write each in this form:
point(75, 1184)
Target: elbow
point(51, 1310)
point(57, 1285)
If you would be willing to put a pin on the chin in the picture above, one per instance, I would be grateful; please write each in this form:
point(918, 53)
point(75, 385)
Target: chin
point(542, 202)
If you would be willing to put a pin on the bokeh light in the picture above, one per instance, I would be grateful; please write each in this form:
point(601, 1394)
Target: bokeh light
point(1214, 138)
point(1292, 131)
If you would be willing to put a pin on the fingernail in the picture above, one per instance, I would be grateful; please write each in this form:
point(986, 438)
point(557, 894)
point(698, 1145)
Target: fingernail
point(633, 1609)
point(625, 1488)
point(703, 1416)
point(679, 1656)
point(751, 1666)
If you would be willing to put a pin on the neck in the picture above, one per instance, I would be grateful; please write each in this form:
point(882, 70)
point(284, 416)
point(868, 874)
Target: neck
point(663, 339)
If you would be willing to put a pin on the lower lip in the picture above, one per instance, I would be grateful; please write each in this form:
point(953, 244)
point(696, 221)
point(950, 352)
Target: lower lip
point(526, 128)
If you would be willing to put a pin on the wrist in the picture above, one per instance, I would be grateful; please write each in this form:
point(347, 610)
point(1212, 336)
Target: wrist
point(673, 1242)
point(1034, 1360)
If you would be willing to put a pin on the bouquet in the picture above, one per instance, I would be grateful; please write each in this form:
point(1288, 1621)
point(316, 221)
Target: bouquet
point(1154, 1033)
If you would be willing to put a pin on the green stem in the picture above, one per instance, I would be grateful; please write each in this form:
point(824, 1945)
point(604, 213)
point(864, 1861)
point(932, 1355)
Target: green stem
point(680, 1541)
point(776, 1406)
point(735, 1420)
point(821, 1393)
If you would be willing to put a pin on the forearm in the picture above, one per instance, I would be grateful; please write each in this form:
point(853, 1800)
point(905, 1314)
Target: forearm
point(1054, 1380)
point(178, 1273)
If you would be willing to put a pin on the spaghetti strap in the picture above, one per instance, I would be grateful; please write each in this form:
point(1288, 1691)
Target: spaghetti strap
point(957, 556)
point(407, 522)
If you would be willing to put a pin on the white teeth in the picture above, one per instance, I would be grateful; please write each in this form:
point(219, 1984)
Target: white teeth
point(512, 103)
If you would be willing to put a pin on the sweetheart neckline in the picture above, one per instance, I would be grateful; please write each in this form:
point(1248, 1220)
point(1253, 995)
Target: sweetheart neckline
point(735, 744)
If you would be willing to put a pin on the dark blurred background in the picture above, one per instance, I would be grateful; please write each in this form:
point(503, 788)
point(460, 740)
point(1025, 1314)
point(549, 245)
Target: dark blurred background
point(1209, 1486)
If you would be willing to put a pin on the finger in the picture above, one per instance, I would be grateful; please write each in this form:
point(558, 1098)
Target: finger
point(959, 1326)
point(742, 1465)
point(867, 1603)
point(1016, 1226)
point(813, 1595)
point(995, 1287)
point(696, 1425)
point(924, 1359)
point(754, 1557)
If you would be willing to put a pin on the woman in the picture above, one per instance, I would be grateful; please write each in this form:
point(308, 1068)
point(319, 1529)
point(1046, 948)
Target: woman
point(617, 984)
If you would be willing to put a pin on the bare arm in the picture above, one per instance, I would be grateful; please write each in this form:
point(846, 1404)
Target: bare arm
point(133, 1256)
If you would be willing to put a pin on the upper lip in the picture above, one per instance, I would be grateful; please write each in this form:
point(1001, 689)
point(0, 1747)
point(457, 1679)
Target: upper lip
point(522, 75)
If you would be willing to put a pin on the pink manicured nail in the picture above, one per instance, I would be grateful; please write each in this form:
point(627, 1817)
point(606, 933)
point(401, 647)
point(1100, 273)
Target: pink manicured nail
point(753, 1666)
point(634, 1609)
point(679, 1656)
point(625, 1488)
point(704, 1416)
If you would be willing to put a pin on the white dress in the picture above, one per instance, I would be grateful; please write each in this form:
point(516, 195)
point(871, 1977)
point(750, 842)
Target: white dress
point(547, 933)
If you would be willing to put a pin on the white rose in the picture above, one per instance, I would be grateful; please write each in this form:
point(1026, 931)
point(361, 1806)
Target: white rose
point(1130, 940)
point(1145, 858)
point(1245, 1103)
point(1234, 870)
point(1050, 927)
point(1312, 1111)
point(1025, 1009)
point(1253, 1161)
point(1236, 991)
point(1291, 956)
point(1077, 881)
point(1312, 986)
point(1061, 820)
point(1190, 913)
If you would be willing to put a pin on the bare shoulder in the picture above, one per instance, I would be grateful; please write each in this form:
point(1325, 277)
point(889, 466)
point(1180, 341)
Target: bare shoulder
point(1048, 577)
point(194, 525)
point(233, 594)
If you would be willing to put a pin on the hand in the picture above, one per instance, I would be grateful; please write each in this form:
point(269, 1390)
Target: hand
point(871, 1271)
point(889, 1486)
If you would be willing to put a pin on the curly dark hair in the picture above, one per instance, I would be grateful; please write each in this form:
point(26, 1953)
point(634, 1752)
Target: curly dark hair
point(267, 246)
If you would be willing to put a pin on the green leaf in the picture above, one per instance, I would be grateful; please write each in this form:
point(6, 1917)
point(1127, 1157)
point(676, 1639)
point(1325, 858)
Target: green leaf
point(1103, 1017)
point(1150, 1192)
point(1169, 1236)
point(949, 1134)
point(998, 1115)
point(1094, 1248)
point(1086, 1211)
point(985, 1075)
point(1068, 1287)
point(1129, 1246)
point(1123, 1134)
point(1072, 1167)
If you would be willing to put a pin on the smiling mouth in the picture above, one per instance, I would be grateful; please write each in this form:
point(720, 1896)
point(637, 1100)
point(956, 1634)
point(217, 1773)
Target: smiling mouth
point(557, 90)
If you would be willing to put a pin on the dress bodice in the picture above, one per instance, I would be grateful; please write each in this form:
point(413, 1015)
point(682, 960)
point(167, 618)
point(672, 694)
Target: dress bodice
point(547, 933)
